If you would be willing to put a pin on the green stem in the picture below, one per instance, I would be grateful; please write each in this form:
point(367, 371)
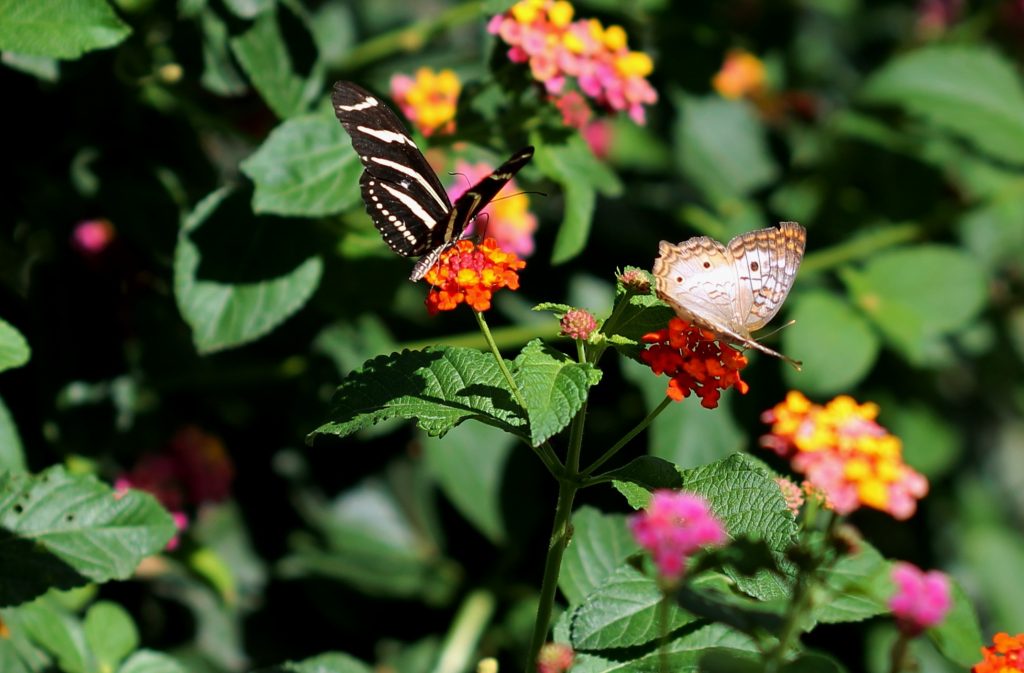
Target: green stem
point(898, 655)
point(663, 606)
point(505, 337)
point(561, 533)
point(411, 38)
point(460, 645)
point(500, 360)
point(640, 427)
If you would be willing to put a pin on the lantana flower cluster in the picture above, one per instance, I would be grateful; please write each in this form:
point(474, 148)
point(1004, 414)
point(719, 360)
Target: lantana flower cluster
point(507, 220)
point(543, 34)
point(695, 361)
point(470, 273)
point(1005, 655)
point(845, 453)
point(429, 100)
point(741, 75)
point(922, 599)
point(673, 527)
point(192, 469)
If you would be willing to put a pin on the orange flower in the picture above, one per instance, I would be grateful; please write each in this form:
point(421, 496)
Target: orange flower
point(429, 100)
point(694, 361)
point(742, 74)
point(467, 272)
point(844, 452)
point(1005, 656)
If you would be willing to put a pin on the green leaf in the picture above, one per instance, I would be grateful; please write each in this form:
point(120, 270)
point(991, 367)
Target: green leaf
point(324, 663)
point(600, 544)
point(439, 387)
point(306, 167)
point(744, 496)
point(248, 9)
point(622, 612)
point(110, 633)
point(59, 633)
point(469, 464)
point(12, 454)
point(835, 342)
point(376, 536)
point(553, 386)
point(59, 529)
point(916, 295)
point(17, 653)
point(722, 147)
point(224, 315)
point(932, 444)
point(219, 72)
point(972, 90)
point(148, 661)
point(712, 598)
point(14, 350)
point(59, 28)
point(635, 315)
point(859, 587)
point(264, 56)
point(958, 637)
point(648, 471)
point(581, 175)
point(41, 67)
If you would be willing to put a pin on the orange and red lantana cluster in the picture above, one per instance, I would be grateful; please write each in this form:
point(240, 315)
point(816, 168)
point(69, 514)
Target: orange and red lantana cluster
point(742, 74)
point(429, 100)
point(695, 361)
point(543, 34)
point(845, 453)
point(1004, 656)
point(470, 273)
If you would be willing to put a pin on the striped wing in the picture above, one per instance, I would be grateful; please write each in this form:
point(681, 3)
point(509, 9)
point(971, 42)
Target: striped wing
point(402, 194)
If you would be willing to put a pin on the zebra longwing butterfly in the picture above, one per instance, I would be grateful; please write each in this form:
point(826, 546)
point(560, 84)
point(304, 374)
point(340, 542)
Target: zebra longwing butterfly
point(402, 193)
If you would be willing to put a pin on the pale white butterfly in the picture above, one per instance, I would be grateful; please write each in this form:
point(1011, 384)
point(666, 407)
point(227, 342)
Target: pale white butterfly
point(733, 289)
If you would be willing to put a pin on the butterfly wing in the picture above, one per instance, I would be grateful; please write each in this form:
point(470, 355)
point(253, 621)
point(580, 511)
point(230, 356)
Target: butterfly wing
point(697, 279)
point(766, 262)
point(401, 191)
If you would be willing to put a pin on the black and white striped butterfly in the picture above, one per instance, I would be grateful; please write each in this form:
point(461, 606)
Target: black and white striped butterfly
point(403, 195)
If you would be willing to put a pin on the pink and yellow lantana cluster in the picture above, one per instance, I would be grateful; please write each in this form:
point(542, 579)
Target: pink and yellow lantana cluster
point(507, 220)
point(429, 100)
point(543, 34)
point(845, 453)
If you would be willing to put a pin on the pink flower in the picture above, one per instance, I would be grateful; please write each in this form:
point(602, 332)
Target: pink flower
point(578, 324)
point(673, 527)
point(554, 658)
point(922, 599)
point(92, 237)
point(507, 220)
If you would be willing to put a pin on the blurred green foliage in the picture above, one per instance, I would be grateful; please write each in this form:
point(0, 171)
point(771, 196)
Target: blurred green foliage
point(244, 282)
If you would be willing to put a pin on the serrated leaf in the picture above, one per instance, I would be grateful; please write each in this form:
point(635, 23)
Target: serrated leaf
point(59, 28)
point(14, 350)
point(553, 386)
point(224, 315)
point(834, 341)
point(439, 387)
point(635, 315)
point(683, 654)
point(858, 587)
point(623, 611)
point(469, 464)
point(12, 454)
point(59, 529)
point(971, 90)
point(324, 663)
point(714, 601)
point(264, 56)
point(110, 634)
point(148, 661)
point(916, 295)
point(722, 147)
point(958, 637)
point(600, 544)
point(306, 167)
point(745, 497)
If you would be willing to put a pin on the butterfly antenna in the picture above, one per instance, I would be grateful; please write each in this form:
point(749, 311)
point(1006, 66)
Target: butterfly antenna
point(509, 196)
point(780, 328)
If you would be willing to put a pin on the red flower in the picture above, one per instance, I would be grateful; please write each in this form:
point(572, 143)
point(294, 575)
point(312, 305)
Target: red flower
point(470, 273)
point(1004, 656)
point(694, 361)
